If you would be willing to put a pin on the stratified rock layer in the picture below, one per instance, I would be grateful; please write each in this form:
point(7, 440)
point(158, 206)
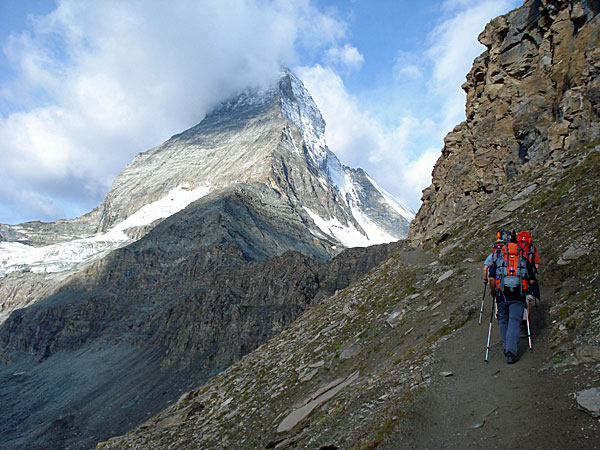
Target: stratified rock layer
point(531, 96)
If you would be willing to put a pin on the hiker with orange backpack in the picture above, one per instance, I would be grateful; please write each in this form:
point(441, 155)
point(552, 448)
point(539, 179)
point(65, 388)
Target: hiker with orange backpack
point(510, 275)
point(527, 247)
point(500, 238)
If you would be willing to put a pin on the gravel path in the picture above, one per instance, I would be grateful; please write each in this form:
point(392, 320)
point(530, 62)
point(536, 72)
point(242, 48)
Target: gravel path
point(482, 405)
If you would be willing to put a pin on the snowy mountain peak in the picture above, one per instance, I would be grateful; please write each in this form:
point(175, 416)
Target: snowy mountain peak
point(273, 137)
point(298, 107)
point(361, 195)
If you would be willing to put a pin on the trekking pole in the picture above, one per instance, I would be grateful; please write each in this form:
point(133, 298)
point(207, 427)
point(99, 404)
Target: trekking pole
point(528, 328)
point(482, 300)
point(487, 349)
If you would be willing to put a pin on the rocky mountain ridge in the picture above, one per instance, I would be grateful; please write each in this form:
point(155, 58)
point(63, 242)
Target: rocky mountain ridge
point(531, 96)
point(191, 297)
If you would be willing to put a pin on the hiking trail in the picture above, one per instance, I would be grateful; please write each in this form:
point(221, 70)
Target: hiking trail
point(529, 404)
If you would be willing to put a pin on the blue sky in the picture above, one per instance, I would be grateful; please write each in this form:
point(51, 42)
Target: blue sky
point(86, 85)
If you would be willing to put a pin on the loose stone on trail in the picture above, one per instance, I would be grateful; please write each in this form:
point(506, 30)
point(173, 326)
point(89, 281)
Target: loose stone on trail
point(589, 401)
point(318, 398)
point(514, 205)
point(574, 252)
point(395, 317)
point(350, 351)
point(436, 305)
point(445, 276)
point(309, 376)
point(525, 192)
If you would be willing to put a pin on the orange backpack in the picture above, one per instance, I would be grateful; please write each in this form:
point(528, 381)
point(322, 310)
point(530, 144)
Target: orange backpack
point(511, 269)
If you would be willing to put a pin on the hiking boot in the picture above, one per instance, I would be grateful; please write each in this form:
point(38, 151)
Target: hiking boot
point(511, 358)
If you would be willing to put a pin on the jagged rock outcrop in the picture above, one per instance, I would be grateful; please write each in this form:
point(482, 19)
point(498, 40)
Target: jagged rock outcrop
point(531, 96)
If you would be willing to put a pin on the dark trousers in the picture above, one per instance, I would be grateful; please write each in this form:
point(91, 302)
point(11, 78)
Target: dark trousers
point(510, 315)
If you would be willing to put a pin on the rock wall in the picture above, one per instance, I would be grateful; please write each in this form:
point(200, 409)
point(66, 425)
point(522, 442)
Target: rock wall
point(531, 96)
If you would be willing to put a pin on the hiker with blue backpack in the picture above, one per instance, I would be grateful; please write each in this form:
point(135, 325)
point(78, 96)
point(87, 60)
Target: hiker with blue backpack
point(510, 275)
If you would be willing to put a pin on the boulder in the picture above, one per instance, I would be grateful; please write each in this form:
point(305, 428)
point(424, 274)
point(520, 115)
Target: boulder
point(589, 401)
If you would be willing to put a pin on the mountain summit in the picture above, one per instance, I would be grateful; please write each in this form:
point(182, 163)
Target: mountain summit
point(274, 137)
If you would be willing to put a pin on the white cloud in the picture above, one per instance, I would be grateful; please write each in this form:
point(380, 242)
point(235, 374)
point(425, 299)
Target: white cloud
point(400, 155)
point(407, 66)
point(347, 57)
point(453, 48)
point(417, 175)
point(98, 82)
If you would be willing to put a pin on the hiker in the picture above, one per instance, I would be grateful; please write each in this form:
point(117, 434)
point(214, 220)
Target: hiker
point(501, 238)
point(509, 275)
point(532, 254)
point(527, 247)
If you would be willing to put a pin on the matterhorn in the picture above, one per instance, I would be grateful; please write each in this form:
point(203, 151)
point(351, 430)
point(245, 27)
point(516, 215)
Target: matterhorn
point(205, 247)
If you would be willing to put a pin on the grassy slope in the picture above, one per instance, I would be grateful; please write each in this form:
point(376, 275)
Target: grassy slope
point(563, 213)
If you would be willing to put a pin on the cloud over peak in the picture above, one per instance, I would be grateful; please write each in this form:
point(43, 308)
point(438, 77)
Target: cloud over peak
point(98, 82)
point(346, 57)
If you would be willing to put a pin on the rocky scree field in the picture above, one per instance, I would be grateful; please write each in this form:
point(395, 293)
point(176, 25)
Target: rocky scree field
point(357, 370)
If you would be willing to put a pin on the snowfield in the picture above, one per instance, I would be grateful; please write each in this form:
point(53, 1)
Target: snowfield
point(69, 255)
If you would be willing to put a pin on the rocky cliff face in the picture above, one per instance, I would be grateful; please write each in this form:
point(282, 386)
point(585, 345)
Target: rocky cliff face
point(533, 95)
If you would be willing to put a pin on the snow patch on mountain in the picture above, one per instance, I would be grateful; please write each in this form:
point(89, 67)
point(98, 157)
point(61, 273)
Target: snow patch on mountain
point(348, 234)
point(336, 172)
point(176, 200)
point(69, 255)
point(394, 203)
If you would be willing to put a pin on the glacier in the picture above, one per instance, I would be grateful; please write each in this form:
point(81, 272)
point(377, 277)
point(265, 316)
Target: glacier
point(15, 256)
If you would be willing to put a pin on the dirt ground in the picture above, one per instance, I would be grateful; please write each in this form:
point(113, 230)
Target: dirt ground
point(529, 405)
